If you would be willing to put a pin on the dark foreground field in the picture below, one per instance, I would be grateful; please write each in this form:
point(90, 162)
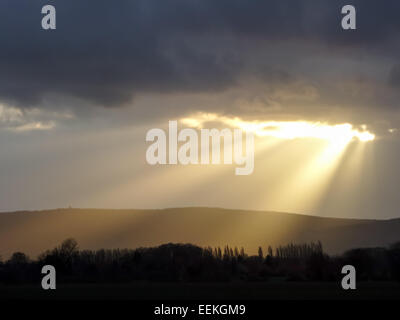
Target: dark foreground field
point(273, 290)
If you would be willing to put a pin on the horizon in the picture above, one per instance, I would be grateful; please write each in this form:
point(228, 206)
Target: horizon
point(197, 207)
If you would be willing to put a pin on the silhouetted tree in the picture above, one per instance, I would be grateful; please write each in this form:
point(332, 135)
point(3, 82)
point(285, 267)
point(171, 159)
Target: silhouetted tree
point(186, 262)
point(19, 258)
point(260, 253)
point(270, 251)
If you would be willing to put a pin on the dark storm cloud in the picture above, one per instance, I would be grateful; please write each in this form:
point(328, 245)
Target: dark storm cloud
point(105, 52)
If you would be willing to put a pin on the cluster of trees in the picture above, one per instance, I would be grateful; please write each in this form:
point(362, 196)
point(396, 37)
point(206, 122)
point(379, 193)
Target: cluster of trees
point(189, 263)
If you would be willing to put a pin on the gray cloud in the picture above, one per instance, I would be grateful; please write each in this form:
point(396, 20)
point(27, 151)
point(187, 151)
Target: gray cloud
point(105, 54)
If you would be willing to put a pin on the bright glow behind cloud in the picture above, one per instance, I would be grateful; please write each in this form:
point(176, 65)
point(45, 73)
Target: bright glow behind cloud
point(342, 133)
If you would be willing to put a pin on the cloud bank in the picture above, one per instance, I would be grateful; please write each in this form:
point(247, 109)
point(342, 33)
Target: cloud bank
point(275, 58)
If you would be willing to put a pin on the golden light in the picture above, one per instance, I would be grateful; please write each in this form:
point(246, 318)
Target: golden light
point(338, 133)
point(318, 148)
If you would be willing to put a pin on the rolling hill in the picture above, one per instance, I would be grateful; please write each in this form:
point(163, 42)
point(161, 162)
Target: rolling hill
point(33, 232)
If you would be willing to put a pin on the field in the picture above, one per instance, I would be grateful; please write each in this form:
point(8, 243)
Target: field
point(272, 290)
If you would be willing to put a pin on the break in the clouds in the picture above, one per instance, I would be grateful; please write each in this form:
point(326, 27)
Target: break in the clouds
point(279, 58)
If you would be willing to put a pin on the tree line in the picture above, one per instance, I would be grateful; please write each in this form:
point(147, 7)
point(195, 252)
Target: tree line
point(190, 263)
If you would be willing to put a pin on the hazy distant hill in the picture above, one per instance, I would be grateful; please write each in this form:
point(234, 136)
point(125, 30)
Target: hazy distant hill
point(34, 232)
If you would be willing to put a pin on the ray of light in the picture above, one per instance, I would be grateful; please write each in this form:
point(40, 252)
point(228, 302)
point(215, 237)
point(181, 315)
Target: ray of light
point(320, 150)
point(342, 194)
point(302, 190)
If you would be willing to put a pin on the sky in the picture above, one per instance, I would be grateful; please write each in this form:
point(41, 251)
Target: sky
point(76, 103)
